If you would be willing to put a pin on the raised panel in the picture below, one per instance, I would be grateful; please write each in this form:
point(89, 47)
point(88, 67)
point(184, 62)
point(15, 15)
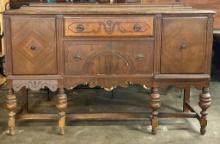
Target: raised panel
point(183, 45)
point(33, 45)
point(108, 26)
point(109, 57)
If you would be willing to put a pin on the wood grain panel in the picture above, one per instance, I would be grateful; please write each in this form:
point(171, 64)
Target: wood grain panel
point(104, 26)
point(109, 57)
point(33, 45)
point(183, 45)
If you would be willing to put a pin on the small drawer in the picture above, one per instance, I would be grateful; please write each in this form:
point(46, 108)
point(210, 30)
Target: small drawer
point(105, 27)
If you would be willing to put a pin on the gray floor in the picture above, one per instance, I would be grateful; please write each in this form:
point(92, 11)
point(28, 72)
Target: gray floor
point(175, 131)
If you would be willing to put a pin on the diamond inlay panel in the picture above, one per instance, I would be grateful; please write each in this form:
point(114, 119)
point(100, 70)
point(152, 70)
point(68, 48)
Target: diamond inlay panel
point(33, 45)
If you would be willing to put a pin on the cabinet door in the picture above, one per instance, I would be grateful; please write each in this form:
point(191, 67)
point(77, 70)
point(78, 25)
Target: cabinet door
point(183, 45)
point(33, 45)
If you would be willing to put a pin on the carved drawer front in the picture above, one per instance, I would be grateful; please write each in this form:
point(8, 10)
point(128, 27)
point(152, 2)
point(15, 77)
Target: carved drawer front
point(33, 45)
point(109, 57)
point(184, 45)
point(124, 26)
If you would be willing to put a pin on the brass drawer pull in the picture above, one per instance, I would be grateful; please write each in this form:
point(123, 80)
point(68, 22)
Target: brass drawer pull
point(33, 48)
point(137, 28)
point(139, 57)
point(77, 57)
point(183, 46)
point(80, 28)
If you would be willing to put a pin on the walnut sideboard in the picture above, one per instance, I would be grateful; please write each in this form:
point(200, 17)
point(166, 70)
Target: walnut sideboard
point(61, 46)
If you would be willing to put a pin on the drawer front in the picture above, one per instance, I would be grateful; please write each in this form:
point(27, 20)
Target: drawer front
point(108, 57)
point(184, 45)
point(105, 27)
point(33, 45)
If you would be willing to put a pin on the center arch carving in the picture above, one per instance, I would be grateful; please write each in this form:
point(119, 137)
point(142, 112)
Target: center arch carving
point(108, 62)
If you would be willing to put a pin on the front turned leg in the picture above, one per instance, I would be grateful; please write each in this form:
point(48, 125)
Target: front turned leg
point(61, 104)
point(11, 103)
point(204, 103)
point(155, 105)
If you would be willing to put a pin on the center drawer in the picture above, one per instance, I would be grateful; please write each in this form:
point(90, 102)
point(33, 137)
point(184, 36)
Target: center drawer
point(109, 57)
point(108, 26)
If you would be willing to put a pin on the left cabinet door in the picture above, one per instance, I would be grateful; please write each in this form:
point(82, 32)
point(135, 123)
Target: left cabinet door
point(33, 45)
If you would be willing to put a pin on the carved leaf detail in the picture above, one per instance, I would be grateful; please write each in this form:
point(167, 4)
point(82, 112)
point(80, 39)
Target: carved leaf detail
point(35, 84)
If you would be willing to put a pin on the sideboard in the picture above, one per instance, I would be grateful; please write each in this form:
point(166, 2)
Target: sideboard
point(199, 4)
point(61, 46)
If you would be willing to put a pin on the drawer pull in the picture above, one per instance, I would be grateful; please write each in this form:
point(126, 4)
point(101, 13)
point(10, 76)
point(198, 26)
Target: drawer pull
point(183, 46)
point(80, 28)
point(137, 28)
point(77, 57)
point(33, 48)
point(139, 57)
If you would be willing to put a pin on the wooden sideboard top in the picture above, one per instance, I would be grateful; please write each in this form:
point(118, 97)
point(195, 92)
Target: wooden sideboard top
point(105, 9)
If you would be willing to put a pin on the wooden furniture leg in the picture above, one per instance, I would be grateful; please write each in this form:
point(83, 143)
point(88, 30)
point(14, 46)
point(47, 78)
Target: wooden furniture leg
point(155, 105)
point(61, 104)
point(25, 100)
point(186, 99)
point(11, 103)
point(48, 94)
point(204, 103)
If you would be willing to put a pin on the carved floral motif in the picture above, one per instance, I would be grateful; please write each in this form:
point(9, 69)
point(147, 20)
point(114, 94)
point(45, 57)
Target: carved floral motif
point(109, 27)
point(35, 84)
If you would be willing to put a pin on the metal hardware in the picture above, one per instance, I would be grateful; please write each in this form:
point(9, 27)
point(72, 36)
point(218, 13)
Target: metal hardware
point(7, 6)
point(33, 47)
point(1, 35)
point(80, 28)
point(109, 89)
point(139, 56)
point(183, 46)
point(137, 28)
point(111, 1)
point(77, 57)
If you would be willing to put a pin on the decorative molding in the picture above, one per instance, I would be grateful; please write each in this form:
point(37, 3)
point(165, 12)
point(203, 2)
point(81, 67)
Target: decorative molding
point(107, 83)
point(85, 28)
point(125, 64)
point(111, 83)
point(181, 85)
point(35, 84)
point(109, 26)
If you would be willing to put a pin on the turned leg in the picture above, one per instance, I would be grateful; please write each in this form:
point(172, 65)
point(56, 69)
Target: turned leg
point(155, 105)
point(24, 100)
point(204, 103)
point(61, 104)
point(186, 99)
point(11, 104)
